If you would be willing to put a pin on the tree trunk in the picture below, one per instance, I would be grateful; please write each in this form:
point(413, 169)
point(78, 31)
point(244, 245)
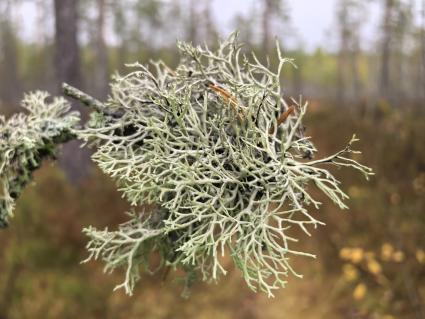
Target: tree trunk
point(267, 13)
point(297, 81)
point(101, 62)
point(44, 76)
point(354, 64)
point(385, 83)
point(67, 54)
point(344, 35)
point(74, 160)
point(423, 51)
point(192, 33)
point(210, 30)
point(9, 81)
point(121, 32)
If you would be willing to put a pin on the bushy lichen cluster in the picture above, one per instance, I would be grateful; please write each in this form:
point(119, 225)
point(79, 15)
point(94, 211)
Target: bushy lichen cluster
point(220, 154)
point(26, 139)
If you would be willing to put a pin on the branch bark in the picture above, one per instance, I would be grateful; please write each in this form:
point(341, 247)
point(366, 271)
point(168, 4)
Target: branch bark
point(87, 100)
point(84, 98)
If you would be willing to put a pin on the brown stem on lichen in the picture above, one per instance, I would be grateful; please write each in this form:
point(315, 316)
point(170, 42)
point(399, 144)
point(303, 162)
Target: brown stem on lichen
point(229, 98)
point(282, 118)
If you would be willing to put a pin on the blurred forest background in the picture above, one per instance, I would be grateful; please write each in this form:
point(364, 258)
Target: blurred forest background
point(370, 261)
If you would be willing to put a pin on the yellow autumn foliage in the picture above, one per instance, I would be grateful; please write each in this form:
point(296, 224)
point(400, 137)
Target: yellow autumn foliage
point(398, 256)
point(355, 255)
point(350, 273)
point(420, 256)
point(360, 291)
point(374, 267)
point(387, 251)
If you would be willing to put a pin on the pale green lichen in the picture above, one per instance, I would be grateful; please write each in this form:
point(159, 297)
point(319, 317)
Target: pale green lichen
point(196, 142)
point(200, 143)
point(26, 139)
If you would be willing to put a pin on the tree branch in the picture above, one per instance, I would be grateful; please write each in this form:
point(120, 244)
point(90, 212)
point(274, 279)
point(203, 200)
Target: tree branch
point(84, 98)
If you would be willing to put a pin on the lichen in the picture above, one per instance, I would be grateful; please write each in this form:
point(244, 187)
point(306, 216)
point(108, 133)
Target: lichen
point(26, 139)
point(200, 143)
point(220, 154)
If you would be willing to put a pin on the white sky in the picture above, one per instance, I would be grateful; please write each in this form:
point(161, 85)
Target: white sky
point(311, 20)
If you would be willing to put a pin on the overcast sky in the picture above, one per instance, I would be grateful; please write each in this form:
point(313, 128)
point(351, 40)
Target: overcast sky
point(312, 21)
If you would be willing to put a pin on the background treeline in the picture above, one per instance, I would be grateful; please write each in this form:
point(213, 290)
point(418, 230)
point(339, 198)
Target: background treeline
point(371, 261)
point(83, 41)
